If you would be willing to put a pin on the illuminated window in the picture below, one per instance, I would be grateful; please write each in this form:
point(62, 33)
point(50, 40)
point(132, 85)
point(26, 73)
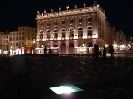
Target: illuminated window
point(41, 36)
point(71, 33)
point(80, 32)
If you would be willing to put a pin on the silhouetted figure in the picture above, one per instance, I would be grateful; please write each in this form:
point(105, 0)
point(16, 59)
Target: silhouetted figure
point(104, 52)
point(50, 51)
point(45, 50)
point(111, 51)
point(96, 51)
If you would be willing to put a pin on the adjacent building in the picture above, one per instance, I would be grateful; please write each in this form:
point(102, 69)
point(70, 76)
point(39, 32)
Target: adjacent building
point(20, 41)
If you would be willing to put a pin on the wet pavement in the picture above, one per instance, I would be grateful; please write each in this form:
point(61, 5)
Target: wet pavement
point(106, 79)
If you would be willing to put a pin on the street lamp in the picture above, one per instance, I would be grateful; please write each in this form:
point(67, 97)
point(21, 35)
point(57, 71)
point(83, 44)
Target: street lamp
point(33, 46)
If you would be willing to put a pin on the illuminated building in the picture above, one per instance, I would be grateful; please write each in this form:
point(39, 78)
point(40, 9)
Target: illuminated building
point(72, 31)
point(21, 41)
point(4, 42)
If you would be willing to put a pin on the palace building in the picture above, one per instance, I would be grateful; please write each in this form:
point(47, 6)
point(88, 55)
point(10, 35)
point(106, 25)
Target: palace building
point(72, 31)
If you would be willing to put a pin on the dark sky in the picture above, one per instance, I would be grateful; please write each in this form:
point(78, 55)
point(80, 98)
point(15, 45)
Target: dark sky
point(23, 12)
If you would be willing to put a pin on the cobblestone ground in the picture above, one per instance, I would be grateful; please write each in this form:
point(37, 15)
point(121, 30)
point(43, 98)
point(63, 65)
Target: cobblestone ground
point(106, 79)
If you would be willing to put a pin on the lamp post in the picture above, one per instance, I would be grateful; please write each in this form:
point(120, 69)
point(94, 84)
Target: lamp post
point(33, 46)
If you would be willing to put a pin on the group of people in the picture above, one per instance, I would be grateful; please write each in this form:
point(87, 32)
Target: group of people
point(103, 52)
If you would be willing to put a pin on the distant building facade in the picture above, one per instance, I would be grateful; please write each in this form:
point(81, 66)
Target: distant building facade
point(20, 41)
point(4, 43)
point(73, 31)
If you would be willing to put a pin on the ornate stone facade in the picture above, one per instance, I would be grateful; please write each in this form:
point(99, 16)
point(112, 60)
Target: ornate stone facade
point(73, 31)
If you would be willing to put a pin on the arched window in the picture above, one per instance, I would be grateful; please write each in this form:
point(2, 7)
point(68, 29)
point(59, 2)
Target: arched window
point(80, 32)
point(71, 31)
point(63, 32)
point(48, 34)
point(41, 36)
point(55, 34)
point(89, 31)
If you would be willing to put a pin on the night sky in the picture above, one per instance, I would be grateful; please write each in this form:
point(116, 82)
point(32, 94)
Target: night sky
point(15, 13)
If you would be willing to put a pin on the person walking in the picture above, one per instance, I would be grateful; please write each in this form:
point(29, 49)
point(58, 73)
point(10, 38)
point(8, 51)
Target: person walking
point(104, 52)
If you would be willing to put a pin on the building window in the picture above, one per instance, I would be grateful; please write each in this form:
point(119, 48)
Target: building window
point(71, 44)
point(10, 38)
point(80, 20)
point(22, 38)
point(41, 36)
point(63, 22)
point(55, 45)
point(55, 23)
point(89, 31)
point(63, 33)
point(48, 34)
point(13, 38)
point(71, 33)
point(16, 44)
point(19, 38)
point(71, 21)
point(16, 38)
point(28, 38)
point(55, 34)
point(48, 24)
point(89, 19)
point(80, 32)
